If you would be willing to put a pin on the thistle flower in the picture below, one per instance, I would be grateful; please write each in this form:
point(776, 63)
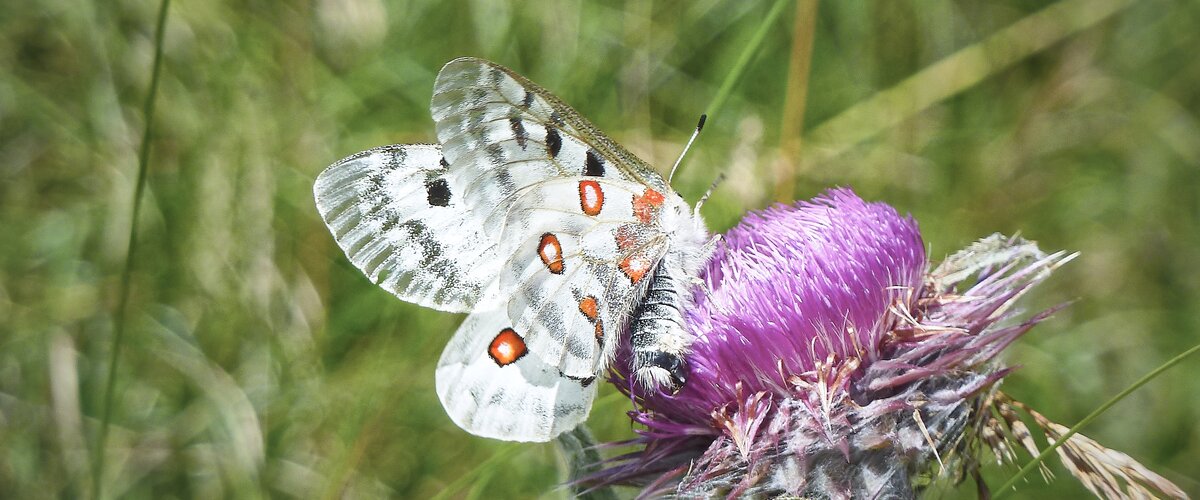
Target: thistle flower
point(829, 362)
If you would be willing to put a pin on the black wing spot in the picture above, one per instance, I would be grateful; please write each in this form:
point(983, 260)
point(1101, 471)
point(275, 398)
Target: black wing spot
point(438, 191)
point(444, 163)
point(583, 381)
point(518, 130)
point(594, 166)
point(389, 223)
point(505, 180)
point(557, 118)
point(395, 160)
point(495, 154)
point(528, 100)
point(553, 141)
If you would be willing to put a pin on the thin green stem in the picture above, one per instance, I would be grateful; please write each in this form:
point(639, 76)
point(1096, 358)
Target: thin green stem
point(739, 67)
point(578, 448)
point(119, 321)
point(1008, 486)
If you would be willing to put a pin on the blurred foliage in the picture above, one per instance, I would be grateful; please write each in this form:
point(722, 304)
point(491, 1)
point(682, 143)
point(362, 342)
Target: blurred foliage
point(258, 362)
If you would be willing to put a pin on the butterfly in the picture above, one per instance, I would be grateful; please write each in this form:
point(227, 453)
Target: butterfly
point(555, 239)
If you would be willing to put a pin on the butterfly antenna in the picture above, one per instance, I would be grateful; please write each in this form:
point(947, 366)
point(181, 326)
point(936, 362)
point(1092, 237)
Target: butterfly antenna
point(699, 126)
point(713, 187)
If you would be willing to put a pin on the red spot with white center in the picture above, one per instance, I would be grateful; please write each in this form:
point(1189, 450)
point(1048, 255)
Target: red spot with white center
point(591, 197)
point(507, 347)
point(635, 266)
point(551, 253)
point(646, 206)
point(630, 243)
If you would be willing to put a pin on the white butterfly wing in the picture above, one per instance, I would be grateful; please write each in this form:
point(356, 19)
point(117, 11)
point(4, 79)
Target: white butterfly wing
point(572, 248)
point(569, 278)
point(398, 217)
point(492, 387)
point(527, 216)
point(578, 258)
point(515, 134)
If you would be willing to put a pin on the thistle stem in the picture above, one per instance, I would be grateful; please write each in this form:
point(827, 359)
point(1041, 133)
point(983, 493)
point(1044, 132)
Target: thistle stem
point(579, 450)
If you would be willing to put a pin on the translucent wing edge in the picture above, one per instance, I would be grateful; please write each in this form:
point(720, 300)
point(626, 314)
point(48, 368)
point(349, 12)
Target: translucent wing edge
point(453, 82)
point(340, 194)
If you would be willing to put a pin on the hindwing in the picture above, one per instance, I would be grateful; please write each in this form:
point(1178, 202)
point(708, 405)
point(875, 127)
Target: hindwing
point(568, 276)
point(401, 219)
point(492, 386)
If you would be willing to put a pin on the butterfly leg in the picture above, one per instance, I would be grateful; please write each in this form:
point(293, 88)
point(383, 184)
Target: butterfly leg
point(710, 246)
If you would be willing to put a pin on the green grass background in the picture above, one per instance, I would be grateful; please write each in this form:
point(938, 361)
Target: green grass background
point(257, 362)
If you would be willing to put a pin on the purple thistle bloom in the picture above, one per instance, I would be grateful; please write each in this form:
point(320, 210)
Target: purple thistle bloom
point(829, 361)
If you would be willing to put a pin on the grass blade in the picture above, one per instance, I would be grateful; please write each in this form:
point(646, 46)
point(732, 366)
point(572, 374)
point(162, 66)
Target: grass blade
point(1007, 487)
point(739, 67)
point(956, 73)
point(791, 126)
point(121, 317)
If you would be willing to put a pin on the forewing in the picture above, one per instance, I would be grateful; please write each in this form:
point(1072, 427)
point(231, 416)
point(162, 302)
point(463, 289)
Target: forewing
point(502, 133)
point(492, 386)
point(402, 221)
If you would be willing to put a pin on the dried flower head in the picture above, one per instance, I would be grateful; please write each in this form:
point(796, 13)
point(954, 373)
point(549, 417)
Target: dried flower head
point(829, 362)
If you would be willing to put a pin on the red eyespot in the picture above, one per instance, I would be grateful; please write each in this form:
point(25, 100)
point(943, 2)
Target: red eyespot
point(645, 207)
point(591, 197)
point(507, 347)
point(589, 307)
point(551, 253)
point(635, 267)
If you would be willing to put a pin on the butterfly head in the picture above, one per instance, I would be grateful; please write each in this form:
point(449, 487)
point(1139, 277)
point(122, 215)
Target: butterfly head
point(678, 218)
